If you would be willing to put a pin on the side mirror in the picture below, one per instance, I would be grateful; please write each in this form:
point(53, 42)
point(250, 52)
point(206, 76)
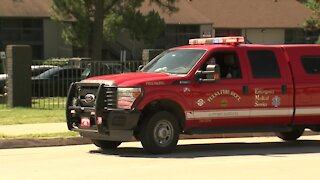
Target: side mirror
point(140, 67)
point(85, 73)
point(211, 74)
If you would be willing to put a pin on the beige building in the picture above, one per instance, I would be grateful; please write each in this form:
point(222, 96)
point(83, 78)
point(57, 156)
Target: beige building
point(28, 22)
point(260, 21)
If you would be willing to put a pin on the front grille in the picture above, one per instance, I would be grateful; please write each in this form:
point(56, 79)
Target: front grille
point(83, 91)
point(111, 97)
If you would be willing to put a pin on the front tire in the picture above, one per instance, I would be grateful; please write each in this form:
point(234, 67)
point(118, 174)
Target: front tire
point(106, 145)
point(292, 135)
point(160, 133)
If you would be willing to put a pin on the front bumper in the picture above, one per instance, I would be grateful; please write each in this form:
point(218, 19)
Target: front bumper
point(105, 123)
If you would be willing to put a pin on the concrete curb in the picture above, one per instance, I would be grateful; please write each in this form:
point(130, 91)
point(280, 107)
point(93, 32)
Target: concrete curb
point(48, 142)
point(42, 142)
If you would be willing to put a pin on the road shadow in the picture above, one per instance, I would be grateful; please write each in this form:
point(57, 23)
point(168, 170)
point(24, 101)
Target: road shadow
point(222, 149)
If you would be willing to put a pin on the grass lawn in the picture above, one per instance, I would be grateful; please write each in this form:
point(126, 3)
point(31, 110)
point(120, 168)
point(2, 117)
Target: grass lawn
point(45, 135)
point(42, 102)
point(9, 116)
point(49, 102)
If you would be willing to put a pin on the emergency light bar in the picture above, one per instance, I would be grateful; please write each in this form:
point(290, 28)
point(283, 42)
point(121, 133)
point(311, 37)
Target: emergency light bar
point(232, 40)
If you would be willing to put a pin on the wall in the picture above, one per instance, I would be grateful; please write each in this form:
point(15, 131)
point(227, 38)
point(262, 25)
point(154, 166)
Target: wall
point(206, 31)
point(53, 43)
point(265, 36)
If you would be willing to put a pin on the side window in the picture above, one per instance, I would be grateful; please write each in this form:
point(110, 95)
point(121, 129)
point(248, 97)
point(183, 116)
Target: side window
point(228, 62)
point(229, 65)
point(69, 73)
point(264, 64)
point(210, 61)
point(311, 64)
point(63, 73)
point(74, 73)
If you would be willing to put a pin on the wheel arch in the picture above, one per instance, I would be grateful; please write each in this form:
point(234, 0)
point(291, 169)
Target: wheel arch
point(164, 105)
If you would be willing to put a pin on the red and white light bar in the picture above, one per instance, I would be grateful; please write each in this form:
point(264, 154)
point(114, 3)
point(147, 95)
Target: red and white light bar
point(232, 40)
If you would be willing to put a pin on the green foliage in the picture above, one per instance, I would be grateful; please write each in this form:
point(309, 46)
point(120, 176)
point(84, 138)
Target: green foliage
point(313, 4)
point(80, 19)
point(57, 61)
point(75, 16)
point(313, 22)
point(318, 42)
point(146, 27)
point(112, 25)
point(76, 34)
point(153, 26)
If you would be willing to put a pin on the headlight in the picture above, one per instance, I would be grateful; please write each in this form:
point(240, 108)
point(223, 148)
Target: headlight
point(127, 96)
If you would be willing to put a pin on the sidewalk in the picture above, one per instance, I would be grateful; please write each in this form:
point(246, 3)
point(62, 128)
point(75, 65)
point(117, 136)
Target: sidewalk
point(21, 129)
point(44, 128)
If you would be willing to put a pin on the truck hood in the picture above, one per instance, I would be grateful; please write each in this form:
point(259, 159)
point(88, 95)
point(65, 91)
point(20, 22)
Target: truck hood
point(134, 79)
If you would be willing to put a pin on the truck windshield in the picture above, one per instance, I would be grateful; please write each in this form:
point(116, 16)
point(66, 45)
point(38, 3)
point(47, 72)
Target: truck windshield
point(178, 61)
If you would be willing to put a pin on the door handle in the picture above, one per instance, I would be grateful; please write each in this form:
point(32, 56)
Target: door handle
point(245, 90)
point(284, 89)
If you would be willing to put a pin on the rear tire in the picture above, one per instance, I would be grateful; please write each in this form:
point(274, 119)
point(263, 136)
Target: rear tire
point(159, 133)
point(106, 145)
point(292, 135)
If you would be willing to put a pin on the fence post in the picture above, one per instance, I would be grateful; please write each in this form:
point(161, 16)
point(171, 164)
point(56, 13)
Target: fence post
point(19, 75)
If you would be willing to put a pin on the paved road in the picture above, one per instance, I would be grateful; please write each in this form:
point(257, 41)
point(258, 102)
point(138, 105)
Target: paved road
point(237, 158)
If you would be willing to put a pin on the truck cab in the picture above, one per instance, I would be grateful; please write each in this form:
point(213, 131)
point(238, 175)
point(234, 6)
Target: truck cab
point(212, 85)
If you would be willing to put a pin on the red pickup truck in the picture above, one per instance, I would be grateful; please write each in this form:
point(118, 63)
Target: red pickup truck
point(214, 85)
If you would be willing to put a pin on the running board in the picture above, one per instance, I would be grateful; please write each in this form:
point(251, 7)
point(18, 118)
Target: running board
point(241, 129)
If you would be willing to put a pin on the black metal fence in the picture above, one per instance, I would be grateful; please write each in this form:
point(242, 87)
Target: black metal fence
point(51, 79)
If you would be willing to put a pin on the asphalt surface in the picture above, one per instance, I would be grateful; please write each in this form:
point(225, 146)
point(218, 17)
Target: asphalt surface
point(229, 158)
point(15, 130)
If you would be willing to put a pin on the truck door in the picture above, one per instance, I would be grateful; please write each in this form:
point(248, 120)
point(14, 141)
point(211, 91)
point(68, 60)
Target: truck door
point(225, 102)
point(270, 87)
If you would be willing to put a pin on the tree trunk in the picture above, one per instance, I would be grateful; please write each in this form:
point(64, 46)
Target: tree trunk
point(97, 38)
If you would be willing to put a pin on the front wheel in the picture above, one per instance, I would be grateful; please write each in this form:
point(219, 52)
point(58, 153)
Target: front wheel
point(160, 133)
point(292, 135)
point(106, 145)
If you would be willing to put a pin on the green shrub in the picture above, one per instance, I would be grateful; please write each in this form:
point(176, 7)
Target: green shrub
point(57, 61)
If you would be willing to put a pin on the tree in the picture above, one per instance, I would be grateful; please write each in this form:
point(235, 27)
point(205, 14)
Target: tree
point(87, 23)
point(312, 23)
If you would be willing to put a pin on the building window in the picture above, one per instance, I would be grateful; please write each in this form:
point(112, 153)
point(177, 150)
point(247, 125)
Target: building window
point(177, 35)
point(22, 31)
point(264, 64)
point(299, 36)
point(227, 32)
point(294, 36)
